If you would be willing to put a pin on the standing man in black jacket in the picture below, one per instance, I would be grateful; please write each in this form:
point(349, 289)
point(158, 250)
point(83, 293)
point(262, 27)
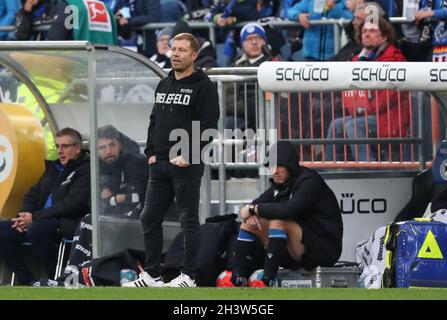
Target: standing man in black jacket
point(51, 209)
point(185, 96)
point(297, 219)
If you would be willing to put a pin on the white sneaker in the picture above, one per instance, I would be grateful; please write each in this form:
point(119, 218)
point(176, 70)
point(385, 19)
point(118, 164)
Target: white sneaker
point(182, 281)
point(144, 280)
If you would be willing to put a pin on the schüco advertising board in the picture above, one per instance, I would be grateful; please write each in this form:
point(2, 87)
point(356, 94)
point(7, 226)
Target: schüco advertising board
point(366, 205)
point(335, 76)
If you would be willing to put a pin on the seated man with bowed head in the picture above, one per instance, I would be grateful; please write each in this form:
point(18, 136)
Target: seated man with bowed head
point(298, 220)
point(51, 209)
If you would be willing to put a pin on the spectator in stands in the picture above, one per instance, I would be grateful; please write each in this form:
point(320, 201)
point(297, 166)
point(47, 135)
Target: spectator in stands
point(388, 6)
point(360, 10)
point(32, 11)
point(207, 57)
point(103, 31)
point(269, 8)
point(255, 50)
point(8, 10)
point(113, 5)
point(229, 12)
point(414, 38)
point(162, 58)
point(170, 10)
point(434, 17)
point(199, 10)
point(298, 220)
point(332, 104)
point(133, 14)
point(285, 6)
point(51, 209)
point(318, 41)
point(378, 113)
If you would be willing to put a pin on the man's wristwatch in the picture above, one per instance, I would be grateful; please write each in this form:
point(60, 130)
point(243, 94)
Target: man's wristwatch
point(251, 209)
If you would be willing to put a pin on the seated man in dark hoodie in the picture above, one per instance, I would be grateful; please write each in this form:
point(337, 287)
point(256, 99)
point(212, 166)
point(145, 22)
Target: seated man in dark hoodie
point(297, 219)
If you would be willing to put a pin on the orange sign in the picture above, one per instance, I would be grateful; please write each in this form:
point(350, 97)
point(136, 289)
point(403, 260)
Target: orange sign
point(22, 154)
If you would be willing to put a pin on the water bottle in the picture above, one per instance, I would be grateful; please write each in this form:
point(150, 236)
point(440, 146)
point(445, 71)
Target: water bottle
point(319, 6)
point(410, 8)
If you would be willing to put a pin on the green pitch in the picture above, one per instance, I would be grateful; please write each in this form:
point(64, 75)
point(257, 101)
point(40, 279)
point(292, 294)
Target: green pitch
point(220, 294)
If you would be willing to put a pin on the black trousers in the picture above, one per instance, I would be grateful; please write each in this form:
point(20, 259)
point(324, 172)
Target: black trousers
point(43, 235)
point(167, 181)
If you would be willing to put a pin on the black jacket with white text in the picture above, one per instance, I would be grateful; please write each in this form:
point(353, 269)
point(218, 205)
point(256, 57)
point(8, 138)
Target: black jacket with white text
point(177, 104)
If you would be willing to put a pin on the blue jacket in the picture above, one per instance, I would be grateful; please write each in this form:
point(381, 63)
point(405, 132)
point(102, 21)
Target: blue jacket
point(242, 10)
point(437, 21)
point(8, 9)
point(286, 5)
point(142, 11)
point(318, 37)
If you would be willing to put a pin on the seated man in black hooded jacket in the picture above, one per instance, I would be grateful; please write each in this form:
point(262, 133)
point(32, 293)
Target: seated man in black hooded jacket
point(297, 219)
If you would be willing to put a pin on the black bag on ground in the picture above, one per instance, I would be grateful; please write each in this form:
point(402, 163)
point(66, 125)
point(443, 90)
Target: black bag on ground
point(218, 237)
point(105, 271)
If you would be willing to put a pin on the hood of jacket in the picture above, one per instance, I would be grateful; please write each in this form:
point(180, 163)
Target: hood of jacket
point(287, 156)
point(194, 77)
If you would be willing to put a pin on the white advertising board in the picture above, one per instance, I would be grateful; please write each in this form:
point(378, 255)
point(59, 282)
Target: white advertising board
point(334, 76)
point(368, 204)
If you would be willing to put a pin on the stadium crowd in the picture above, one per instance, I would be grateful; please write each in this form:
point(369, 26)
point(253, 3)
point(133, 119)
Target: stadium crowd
point(123, 22)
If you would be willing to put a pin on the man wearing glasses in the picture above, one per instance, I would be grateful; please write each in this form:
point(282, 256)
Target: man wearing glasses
point(51, 209)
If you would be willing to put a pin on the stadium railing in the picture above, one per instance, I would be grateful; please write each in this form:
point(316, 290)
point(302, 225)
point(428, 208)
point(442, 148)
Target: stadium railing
point(303, 118)
point(211, 27)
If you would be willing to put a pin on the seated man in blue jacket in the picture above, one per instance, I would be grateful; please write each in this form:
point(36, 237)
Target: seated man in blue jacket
point(298, 220)
point(51, 209)
point(123, 176)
